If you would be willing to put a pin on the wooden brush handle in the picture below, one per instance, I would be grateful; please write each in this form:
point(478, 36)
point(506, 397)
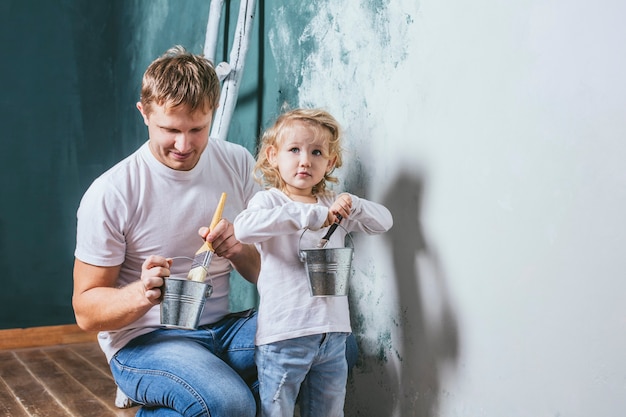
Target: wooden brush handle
point(216, 219)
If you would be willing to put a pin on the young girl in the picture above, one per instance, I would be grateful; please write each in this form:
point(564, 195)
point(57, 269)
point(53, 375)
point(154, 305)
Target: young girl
point(301, 339)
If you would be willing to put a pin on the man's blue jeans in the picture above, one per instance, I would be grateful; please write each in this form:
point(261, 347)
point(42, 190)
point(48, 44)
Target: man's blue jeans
point(204, 372)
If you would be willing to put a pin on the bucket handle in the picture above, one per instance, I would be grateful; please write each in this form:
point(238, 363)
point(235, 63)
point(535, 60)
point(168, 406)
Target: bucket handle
point(209, 290)
point(349, 243)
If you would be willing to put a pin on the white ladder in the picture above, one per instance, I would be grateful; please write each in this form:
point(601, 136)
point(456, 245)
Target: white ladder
point(229, 72)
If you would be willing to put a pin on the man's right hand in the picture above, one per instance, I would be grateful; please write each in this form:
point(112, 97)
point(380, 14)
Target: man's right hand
point(153, 270)
point(101, 305)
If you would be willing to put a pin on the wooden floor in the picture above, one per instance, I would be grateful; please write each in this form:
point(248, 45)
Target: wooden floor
point(57, 381)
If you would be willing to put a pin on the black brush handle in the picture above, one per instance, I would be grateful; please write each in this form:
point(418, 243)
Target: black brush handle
point(332, 228)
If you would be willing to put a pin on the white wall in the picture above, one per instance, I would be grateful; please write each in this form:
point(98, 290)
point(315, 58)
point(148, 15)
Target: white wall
point(495, 132)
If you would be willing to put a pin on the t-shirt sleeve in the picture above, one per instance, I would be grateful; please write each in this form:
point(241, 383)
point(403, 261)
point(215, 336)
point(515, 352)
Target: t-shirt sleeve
point(99, 226)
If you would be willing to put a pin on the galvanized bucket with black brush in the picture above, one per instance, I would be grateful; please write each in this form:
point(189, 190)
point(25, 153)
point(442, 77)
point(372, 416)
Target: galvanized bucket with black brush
point(328, 269)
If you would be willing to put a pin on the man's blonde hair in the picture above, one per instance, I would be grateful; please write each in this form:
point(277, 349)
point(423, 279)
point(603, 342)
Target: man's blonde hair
point(324, 124)
point(180, 78)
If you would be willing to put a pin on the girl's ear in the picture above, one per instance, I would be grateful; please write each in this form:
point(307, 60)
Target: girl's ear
point(270, 154)
point(331, 164)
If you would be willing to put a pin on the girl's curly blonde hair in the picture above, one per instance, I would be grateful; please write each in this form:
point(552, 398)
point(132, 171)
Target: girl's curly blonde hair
point(322, 122)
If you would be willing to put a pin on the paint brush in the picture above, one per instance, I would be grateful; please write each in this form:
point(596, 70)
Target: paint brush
point(324, 241)
point(199, 266)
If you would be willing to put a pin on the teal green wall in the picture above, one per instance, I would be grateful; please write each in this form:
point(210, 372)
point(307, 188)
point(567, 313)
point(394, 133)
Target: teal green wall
point(70, 77)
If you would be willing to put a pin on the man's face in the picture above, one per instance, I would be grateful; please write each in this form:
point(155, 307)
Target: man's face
point(177, 136)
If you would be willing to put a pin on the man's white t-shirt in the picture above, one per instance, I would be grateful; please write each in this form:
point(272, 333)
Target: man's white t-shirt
point(141, 207)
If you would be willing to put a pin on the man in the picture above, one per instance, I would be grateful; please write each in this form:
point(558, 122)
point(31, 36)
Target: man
point(148, 209)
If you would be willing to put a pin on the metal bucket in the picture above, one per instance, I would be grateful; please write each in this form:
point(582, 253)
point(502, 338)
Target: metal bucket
point(328, 269)
point(183, 302)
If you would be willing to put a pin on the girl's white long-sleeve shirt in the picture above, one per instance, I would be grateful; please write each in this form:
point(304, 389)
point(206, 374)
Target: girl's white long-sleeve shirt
point(280, 227)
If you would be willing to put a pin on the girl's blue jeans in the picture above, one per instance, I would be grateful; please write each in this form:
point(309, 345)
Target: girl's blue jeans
point(205, 372)
point(310, 369)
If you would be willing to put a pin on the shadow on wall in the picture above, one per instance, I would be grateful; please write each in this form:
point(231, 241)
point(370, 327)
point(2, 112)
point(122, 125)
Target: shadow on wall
point(424, 340)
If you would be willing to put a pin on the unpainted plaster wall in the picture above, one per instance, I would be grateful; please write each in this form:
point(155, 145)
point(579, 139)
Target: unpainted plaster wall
point(494, 131)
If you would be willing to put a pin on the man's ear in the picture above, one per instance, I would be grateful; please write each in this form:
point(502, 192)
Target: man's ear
point(143, 113)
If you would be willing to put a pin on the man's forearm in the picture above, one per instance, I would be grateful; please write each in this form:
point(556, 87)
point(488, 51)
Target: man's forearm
point(102, 308)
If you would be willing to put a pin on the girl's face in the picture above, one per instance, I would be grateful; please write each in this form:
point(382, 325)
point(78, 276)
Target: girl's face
point(302, 158)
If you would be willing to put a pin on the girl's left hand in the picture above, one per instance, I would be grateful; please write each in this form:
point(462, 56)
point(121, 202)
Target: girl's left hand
point(340, 207)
